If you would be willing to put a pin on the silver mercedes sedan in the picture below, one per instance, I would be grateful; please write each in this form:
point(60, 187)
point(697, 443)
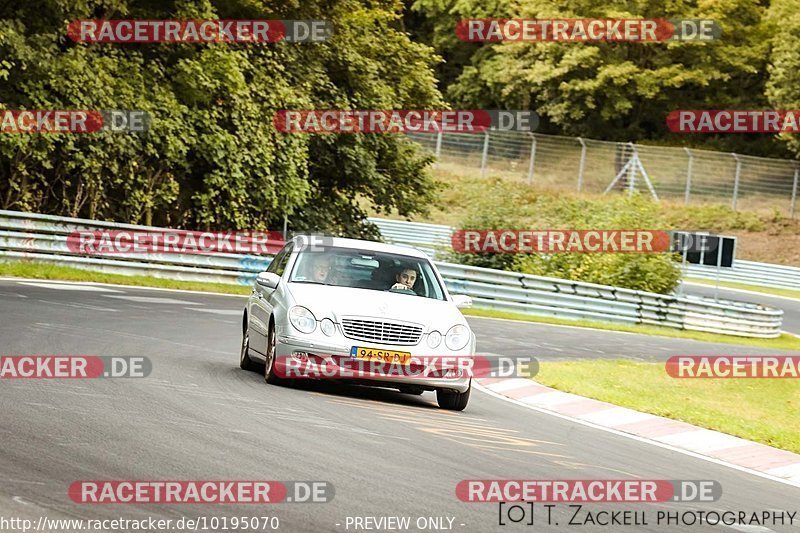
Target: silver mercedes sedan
point(361, 312)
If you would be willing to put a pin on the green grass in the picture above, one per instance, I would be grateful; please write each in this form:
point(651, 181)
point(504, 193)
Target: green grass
point(56, 272)
point(755, 288)
point(463, 192)
point(762, 410)
point(784, 342)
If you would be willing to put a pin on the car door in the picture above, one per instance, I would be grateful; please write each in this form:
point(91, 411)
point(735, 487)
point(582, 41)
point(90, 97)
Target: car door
point(264, 299)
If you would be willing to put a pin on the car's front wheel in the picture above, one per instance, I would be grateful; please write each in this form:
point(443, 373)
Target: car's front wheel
point(269, 365)
point(245, 363)
point(452, 400)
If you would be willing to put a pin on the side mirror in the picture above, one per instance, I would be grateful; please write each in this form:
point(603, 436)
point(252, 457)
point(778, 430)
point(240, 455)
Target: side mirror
point(268, 280)
point(462, 301)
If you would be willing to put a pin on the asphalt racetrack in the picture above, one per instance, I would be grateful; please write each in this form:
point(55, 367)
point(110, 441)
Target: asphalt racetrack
point(199, 417)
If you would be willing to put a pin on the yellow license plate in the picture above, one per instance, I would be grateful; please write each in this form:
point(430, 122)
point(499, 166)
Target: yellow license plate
point(384, 356)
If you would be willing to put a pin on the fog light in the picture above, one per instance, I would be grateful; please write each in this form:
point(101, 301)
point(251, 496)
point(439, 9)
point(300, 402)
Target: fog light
point(454, 373)
point(300, 356)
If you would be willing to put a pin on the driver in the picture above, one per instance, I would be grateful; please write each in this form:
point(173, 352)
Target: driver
point(321, 268)
point(405, 279)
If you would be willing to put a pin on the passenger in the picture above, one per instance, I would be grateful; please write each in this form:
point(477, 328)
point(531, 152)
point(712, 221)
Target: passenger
point(405, 279)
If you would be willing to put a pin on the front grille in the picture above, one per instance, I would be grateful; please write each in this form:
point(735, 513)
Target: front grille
point(381, 331)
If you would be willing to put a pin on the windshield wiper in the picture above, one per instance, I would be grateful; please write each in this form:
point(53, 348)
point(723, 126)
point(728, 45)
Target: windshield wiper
point(309, 281)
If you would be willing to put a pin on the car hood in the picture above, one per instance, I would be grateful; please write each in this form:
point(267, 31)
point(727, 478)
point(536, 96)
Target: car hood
point(336, 302)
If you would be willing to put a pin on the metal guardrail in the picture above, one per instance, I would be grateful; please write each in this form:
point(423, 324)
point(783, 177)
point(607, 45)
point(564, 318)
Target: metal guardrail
point(750, 273)
point(36, 237)
point(525, 293)
point(25, 236)
point(433, 239)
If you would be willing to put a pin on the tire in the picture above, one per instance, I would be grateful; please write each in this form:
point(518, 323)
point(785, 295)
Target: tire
point(269, 363)
point(451, 400)
point(245, 363)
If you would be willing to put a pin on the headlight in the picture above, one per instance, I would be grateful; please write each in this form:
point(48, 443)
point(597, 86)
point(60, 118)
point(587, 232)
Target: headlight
point(434, 339)
point(327, 327)
point(302, 319)
point(457, 337)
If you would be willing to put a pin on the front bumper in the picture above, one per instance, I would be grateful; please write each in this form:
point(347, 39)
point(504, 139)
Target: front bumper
point(299, 358)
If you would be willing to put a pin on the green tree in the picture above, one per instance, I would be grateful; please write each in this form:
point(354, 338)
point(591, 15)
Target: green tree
point(212, 158)
point(783, 87)
point(614, 90)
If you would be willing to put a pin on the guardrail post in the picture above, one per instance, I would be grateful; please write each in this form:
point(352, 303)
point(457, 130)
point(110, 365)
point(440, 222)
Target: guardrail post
point(582, 164)
point(719, 268)
point(438, 144)
point(794, 190)
point(485, 156)
point(532, 161)
point(688, 176)
point(736, 180)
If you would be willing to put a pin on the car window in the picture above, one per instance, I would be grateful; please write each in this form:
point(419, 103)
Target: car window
point(278, 265)
point(363, 269)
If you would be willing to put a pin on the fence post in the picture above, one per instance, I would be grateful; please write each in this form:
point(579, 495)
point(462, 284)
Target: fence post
point(583, 162)
point(794, 190)
point(438, 144)
point(688, 176)
point(532, 161)
point(736, 180)
point(632, 170)
point(485, 156)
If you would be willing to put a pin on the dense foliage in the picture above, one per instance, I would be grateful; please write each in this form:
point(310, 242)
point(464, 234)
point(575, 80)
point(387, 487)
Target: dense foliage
point(622, 91)
point(212, 157)
point(521, 209)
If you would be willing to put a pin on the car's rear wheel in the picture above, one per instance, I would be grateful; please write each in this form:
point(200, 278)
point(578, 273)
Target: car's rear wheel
point(245, 363)
point(452, 400)
point(269, 365)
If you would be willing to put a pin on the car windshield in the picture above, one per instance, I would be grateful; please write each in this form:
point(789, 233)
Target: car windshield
point(364, 269)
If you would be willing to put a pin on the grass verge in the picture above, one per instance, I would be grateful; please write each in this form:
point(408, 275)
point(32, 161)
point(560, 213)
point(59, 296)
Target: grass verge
point(56, 272)
point(761, 410)
point(784, 342)
point(744, 286)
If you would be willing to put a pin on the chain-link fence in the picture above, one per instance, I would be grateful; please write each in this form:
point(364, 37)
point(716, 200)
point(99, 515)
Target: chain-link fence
point(586, 165)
